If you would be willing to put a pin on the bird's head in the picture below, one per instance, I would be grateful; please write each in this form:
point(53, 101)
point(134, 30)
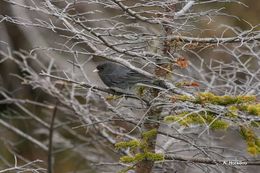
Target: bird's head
point(106, 67)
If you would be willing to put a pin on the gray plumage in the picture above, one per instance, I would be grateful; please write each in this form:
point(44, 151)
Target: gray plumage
point(118, 76)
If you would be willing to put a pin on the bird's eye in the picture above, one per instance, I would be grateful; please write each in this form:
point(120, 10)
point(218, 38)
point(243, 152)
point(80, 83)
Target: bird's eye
point(101, 67)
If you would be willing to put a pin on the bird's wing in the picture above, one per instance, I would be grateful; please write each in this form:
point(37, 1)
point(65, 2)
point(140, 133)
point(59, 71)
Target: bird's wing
point(135, 77)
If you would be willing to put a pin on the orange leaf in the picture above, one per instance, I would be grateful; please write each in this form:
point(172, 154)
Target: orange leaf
point(188, 84)
point(194, 84)
point(182, 62)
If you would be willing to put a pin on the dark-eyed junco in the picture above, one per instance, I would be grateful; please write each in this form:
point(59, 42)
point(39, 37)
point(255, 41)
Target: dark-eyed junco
point(117, 76)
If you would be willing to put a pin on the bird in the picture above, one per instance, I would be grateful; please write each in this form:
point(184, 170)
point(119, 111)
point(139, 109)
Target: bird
point(115, 75)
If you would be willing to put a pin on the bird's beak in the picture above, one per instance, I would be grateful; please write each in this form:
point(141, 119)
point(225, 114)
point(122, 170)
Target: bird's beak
point(96, 70)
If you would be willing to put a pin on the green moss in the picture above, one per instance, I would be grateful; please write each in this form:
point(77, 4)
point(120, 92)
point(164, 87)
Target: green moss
point(184, 98)
point(204, 97)
point(253, 142)
point(142, 156)
point(154, 156)
point(139, 157)
point(253, 147)
point(127, 159)
point(170, 118)
point(246, 99)
point(144, 146)
point(131, 144)
point(219, 124)
point(177, 118)
point(255, 124)
point(257, 142)
point(208, 97)
point(178, 84)
point(252, 150)
point(253, 109)
point(215, 123)
point(201, 118)
point(233, 111)
point(140, 90)
point(141, 145)
point(149, 134)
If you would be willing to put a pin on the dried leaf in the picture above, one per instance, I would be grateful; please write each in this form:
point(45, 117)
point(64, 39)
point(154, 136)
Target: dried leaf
point(187, 84)
point(182, 62)
point(194, 84)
